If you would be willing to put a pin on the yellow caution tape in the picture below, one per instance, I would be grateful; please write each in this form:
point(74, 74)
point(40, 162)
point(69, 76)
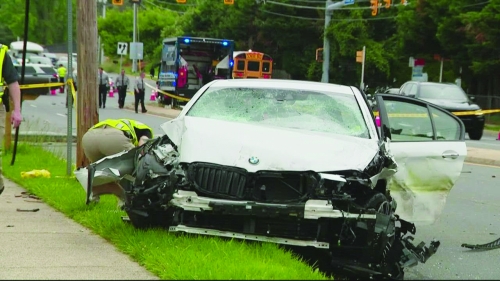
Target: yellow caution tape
point(168, 94)
point(41, 85)
point(457, 113)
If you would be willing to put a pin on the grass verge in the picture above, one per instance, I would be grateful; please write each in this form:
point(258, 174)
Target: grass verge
point(492, 127)
point(167, 255)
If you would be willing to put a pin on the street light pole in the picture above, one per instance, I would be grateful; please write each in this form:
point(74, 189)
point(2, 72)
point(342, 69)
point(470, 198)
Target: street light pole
point(326, 43)
point(134, 35)
point(101, 49)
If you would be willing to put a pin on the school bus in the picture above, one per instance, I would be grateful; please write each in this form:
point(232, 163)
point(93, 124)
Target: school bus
point(246, 64)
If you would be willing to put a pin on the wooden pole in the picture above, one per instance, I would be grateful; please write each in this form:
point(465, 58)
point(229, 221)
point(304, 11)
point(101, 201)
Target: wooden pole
point(87, 114)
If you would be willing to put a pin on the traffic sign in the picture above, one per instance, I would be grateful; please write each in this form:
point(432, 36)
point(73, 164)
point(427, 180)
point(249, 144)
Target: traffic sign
point(348, 2)
point(229, 2)
point(136, 51)
point(117, 2)
point(121, 49)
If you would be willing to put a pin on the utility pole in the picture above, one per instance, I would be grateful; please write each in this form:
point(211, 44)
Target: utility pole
point(69, 96)
point(441, 71)
point(330, 6)
point(87, 114)
point(134, 35)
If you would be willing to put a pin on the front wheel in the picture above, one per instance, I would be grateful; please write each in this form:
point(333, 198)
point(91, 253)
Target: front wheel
point(476, 134)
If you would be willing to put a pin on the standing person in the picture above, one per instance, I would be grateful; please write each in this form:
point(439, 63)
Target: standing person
point(139, 93)
point(11, 78)
point(113, 136)
point(61, 71)
point(122, 82)
point(103, 87)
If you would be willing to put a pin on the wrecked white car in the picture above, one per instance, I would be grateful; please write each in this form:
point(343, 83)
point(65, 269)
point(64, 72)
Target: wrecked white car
point(296, 163)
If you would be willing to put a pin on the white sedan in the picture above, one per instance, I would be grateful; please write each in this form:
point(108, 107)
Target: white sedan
point(296, 163)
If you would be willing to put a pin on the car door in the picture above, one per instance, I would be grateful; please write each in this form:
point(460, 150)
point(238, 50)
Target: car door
point(428, 144)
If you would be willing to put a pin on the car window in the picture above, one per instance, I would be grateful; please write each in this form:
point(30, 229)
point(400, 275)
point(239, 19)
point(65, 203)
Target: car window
point(48, 70)
point(405, 89)
point(442, 91)
point(412, 91)
point(28, 70)
point(294, 109)
point(447, 128)
point(408, 122)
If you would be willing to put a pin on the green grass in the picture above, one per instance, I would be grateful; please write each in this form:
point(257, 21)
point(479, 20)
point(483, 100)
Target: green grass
point(492, 127)
point(166, 255)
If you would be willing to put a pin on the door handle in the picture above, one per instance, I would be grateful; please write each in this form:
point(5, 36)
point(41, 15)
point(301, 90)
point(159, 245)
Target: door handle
point(450, 154)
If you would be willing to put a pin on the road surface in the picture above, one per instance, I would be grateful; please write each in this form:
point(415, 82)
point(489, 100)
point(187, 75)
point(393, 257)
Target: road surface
point(471, 215)
point(49, 114)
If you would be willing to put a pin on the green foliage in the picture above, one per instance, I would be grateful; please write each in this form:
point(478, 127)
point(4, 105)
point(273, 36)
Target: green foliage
point(153, 24)
point(47, 22)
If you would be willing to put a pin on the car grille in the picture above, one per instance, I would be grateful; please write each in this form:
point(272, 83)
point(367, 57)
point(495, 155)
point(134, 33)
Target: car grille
point(230, 182)
point(216, 179)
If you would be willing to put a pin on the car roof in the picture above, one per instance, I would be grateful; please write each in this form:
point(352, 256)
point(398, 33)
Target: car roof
point(284, 84)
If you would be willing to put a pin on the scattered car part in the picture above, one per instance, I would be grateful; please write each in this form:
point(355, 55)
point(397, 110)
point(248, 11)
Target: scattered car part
point(488, 246)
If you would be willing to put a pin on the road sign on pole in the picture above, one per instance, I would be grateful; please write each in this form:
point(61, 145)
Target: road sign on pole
point(136, 51)
point(122, 48)
point(348, 2)
point(229, 2)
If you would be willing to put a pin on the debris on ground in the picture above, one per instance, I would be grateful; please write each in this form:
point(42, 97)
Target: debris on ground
point(26, 194)
point(10, 225)
point(28, 210)
point(36, 174)
point(488, 246)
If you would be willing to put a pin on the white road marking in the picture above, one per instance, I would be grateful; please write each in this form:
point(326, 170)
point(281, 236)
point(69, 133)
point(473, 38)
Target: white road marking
point(32, 105)
point(63, 115)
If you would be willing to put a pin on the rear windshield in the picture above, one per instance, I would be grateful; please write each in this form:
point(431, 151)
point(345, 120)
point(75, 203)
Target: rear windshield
point(29, 70)
point(48, 70)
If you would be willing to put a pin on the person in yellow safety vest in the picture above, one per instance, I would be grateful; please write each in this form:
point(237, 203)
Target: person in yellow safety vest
point(113, 136)
point(61, 71)
point(10, 77)
point(110, 137)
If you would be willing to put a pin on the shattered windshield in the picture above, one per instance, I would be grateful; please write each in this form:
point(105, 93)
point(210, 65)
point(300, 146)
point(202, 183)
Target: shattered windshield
point(294, 109)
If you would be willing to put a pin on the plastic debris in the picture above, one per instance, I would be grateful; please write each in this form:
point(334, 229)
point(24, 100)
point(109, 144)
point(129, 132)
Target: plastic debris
point(35, 174)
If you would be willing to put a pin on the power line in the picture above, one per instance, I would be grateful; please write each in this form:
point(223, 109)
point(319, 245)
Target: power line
point(320, 8)
point(175, 4)
point(321, 19)
point(289, 16)
point(163, 8)
point(477, 4)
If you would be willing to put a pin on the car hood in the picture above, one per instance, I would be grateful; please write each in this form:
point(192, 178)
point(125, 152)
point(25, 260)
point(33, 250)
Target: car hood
point(233, 144)
point(453, 105)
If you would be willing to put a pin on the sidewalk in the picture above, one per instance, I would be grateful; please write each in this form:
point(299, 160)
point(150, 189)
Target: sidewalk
point(154, 109)
point(483, 156)
point(47, 245)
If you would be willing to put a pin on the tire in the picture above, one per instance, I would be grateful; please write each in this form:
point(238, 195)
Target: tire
point(476, 134)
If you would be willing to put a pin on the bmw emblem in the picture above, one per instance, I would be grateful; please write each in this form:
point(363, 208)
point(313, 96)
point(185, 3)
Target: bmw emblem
point(253, 160)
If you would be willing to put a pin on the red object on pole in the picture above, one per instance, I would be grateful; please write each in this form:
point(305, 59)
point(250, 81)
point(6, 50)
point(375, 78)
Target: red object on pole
point(419, 62)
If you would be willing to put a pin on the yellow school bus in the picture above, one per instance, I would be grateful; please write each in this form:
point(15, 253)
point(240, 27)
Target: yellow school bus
point(246, 64)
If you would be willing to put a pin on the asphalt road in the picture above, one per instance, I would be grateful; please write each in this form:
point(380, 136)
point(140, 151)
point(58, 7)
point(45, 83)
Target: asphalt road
point(49, 114)
point(471, 215)
point(488, 141)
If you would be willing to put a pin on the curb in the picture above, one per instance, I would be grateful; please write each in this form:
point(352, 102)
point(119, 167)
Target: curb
point(46, 136)
point(482, 161)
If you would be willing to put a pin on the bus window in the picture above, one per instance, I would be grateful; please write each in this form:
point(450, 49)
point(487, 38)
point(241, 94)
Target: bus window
point(266, 66)
point(253, 66)
point(240, 65)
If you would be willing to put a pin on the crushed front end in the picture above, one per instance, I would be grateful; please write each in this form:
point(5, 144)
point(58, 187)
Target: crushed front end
point(347, 214)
